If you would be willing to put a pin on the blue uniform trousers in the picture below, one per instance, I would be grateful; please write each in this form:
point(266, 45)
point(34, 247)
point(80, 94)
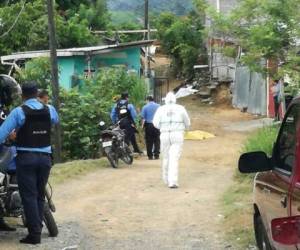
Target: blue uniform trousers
point(33, 170)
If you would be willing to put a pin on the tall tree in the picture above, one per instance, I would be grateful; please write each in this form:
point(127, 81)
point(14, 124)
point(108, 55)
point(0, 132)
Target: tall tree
point(182, 39)
point(264, 28)
point(28, 32)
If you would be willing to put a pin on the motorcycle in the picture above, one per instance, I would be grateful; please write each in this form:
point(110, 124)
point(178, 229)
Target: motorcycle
point(10, 200)
point(114, 146)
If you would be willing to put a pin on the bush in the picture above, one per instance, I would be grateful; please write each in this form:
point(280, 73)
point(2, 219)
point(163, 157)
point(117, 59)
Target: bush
point(37, 69)
point(80, 115)
point(182, 39)
point(262, 140)
point(82, 110)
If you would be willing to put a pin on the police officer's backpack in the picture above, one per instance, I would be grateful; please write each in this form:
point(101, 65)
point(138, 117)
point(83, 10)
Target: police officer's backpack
point(122, 109)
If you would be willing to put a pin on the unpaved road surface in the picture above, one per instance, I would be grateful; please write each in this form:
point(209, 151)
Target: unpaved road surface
point(130, 208)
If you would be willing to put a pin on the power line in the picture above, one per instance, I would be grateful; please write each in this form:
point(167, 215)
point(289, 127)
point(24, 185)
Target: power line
point(15, 22)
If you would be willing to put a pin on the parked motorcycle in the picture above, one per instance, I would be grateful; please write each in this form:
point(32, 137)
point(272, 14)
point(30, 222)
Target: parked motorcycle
point(10, 200)
point(114, 146)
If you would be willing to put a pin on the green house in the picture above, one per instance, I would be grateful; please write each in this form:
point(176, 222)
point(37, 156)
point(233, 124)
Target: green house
point(76, 63)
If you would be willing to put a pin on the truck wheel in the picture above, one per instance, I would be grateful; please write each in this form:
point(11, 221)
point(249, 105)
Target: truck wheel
point(50, 222)
point(261, 235)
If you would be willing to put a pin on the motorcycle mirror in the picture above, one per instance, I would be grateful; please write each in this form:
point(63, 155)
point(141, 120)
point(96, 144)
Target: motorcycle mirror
point(101, 124)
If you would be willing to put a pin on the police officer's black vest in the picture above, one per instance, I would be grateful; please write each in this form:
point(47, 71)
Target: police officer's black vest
point(122, 110)
point(35, 133)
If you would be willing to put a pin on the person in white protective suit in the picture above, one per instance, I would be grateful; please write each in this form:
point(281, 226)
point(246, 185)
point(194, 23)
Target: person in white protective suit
point(172, 120)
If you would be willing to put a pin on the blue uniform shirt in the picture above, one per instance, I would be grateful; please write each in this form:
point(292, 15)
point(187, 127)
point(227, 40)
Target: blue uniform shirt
point(114, 115)
point(148, 111)
point(16, 119)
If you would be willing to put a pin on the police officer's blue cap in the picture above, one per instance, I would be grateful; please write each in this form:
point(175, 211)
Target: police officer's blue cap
point(29, 88)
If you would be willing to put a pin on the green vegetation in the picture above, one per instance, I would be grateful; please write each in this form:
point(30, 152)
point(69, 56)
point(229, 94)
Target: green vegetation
point(73, 28)
point(262, 140)
point(120, 17)
point(237, 199)
point(182, 39)
point(38, 69)
point(82, 108)
point(265, 30)
point(80, 125)
point(237, 211)
point(178, 7)
point(75, 169)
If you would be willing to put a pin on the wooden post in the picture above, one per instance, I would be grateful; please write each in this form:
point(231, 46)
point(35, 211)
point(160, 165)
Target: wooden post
point(54, 76)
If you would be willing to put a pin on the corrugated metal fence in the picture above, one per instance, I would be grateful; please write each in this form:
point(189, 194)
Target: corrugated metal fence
point(250, 91)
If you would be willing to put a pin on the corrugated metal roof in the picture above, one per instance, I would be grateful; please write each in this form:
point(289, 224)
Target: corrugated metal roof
point(75, 51)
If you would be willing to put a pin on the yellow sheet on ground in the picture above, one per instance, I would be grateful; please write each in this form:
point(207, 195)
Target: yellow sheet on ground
point(198, 135)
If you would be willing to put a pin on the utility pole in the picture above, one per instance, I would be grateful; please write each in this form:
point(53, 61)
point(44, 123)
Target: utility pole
point(147, 27)
point(146, 73)
point(54, 76)
point(146, 14)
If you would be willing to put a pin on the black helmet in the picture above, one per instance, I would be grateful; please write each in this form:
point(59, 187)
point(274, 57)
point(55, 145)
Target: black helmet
point(124, 95)
point(9, 89)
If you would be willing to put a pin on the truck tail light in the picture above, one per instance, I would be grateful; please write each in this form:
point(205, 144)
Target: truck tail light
point(286, 230)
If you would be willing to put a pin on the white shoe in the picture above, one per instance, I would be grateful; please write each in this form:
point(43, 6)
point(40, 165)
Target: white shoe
point(173, 186)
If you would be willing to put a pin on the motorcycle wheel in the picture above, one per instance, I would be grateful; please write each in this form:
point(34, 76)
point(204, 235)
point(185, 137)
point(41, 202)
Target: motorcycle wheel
point(50, 222)
point(113, 160)
point(127, 155)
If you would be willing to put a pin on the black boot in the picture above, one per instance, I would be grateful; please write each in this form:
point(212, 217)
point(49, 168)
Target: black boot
point(31, 239)
point(5, 227)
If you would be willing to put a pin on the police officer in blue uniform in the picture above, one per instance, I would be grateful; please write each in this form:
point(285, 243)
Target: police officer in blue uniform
point(151, 133)
point(32, 121)
point(125, 112)
point(8, 89)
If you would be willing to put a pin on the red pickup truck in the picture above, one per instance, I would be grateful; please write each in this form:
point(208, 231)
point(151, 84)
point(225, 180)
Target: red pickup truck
point(276, 202)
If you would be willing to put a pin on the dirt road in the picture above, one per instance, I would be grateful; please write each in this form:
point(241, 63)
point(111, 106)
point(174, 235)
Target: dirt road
point(130, 208)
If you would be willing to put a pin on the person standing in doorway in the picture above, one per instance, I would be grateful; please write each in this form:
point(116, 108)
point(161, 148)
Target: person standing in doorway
point(172, 120)
point(151, 133)
point(32, 121)
point(276, 91)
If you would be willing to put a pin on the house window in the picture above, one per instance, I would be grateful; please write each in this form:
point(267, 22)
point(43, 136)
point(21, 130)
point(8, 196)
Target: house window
point(88, 73)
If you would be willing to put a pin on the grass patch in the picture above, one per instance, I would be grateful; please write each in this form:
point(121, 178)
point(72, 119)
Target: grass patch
point(237, 199)
point(261, 140)
point(237, 210)
point(74, 169)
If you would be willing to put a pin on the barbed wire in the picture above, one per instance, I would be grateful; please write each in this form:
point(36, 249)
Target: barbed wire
point(15, 22)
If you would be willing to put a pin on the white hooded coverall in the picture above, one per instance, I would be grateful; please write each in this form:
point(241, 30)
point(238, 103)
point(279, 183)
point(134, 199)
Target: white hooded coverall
point(172, 120)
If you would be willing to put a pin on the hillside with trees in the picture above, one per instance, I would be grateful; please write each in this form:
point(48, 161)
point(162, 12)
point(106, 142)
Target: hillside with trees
point(177, 7)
